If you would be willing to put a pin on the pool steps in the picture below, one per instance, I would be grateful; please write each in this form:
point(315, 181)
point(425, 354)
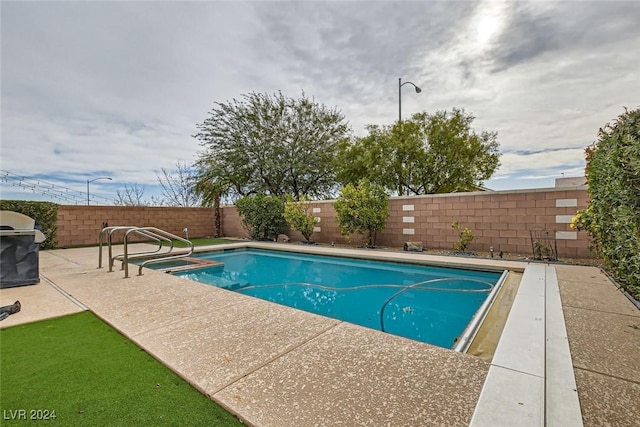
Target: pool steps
point(193, 264)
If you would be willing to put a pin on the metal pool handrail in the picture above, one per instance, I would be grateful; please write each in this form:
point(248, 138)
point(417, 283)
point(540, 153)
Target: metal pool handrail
point(166, 234)
point(152, 233)
point(109, 232)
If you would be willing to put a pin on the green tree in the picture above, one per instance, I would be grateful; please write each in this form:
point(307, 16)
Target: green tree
point(613, 215)
point(430, 153)
point(296, 213)
point(211, 190)
point(262, 215)
point(387, 156)
point(272, 144)
point(362, 208)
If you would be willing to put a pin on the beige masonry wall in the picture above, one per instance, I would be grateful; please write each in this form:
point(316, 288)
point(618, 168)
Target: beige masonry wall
point(502, 219)
point(80, 225)
point(231, 223)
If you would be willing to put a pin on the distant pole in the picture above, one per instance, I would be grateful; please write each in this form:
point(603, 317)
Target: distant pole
point(400, 84)
point(399, 101)
point(90, 181)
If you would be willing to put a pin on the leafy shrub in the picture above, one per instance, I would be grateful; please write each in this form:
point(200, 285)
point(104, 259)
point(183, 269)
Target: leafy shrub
point(44, 213)
point(262, 215)
point(542, 250)
point(296, 213)
point(362, 208)
point(613, 215)
point(466, 236)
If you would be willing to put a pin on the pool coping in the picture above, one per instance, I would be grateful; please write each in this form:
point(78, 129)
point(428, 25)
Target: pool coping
point(406, 257)
point(487, 400)
point(537, 373)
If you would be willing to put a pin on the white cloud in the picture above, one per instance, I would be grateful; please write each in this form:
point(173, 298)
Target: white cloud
point(117, 88)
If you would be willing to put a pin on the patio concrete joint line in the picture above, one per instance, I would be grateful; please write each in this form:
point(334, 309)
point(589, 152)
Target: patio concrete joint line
point(63, 257)
point(605, 374)
point(274, 358)
point(63, 293)
point(184, 317)
point(616, 313)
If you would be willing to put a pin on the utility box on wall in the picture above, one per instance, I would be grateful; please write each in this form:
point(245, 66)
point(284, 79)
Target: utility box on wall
point(19, 246)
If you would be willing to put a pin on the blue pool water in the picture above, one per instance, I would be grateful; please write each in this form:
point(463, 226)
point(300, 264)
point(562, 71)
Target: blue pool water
point(428, 304)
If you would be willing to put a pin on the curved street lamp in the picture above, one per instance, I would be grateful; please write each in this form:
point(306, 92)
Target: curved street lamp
point(90, 181)
point(400, 84)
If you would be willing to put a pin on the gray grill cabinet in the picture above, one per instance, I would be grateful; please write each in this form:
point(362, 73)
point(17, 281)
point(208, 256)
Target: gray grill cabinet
point(19, 245)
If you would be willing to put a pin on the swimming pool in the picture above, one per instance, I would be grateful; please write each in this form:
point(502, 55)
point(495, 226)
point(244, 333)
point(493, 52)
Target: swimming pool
point(428, 304)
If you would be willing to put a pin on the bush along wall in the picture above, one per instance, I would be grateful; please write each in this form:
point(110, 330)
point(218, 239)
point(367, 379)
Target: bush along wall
point(45, 214)
point(613, 215)
point(262, 215)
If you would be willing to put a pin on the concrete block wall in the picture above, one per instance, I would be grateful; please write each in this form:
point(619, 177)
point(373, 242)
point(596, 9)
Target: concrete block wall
point(500, 219)
point(80, 225)
point(231, 223)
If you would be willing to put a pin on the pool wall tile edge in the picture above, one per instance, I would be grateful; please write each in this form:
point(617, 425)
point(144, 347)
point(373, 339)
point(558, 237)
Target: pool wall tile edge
point(486, 264)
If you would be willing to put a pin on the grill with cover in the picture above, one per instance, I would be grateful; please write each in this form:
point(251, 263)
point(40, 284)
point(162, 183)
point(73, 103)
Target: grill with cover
point(19, 240)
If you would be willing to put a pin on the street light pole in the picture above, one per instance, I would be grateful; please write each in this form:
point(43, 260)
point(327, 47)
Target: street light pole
point(90, 181)
point(400, 84)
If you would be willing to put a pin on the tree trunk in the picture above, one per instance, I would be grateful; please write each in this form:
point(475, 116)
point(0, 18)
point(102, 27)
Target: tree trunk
point(218, 219)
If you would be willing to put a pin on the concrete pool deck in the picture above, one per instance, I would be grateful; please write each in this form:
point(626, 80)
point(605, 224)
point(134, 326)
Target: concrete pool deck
point(274, 366)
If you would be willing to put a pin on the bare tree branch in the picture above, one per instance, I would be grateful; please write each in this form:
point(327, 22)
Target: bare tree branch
point(131, 196)
point(178, 186)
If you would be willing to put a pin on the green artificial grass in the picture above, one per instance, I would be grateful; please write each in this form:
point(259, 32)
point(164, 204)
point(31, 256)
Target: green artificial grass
point(201, 242)
point(89, 375)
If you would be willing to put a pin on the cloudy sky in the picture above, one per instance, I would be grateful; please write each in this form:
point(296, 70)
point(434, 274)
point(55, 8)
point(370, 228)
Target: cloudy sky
point(115, 89)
